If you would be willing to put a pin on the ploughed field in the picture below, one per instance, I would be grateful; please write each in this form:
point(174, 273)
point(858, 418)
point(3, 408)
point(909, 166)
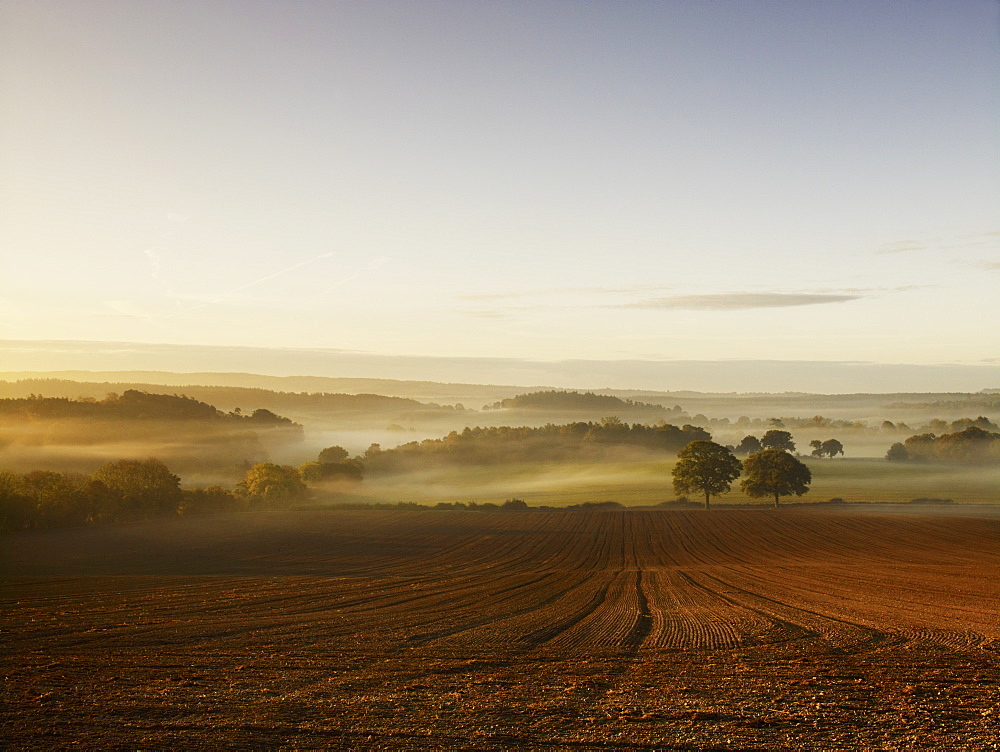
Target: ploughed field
point(368, 629)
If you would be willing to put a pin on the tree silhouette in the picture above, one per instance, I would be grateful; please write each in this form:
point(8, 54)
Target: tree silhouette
point(748, 445)
point(706, 467)
point(776, 439)
point(776, 473)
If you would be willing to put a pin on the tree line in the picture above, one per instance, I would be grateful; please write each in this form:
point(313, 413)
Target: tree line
point(135, 405)
point(128, 490)
point(573, 401)
point(506, 444)
point(974, 445)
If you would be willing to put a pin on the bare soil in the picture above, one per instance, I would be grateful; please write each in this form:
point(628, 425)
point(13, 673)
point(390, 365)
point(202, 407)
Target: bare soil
point(735, 629)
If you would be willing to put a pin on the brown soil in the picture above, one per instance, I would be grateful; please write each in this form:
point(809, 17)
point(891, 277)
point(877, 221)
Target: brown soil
point(552, 630)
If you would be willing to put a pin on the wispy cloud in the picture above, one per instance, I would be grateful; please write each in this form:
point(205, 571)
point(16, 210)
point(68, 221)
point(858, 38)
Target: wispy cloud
point(265, 278)
point(557, 291)
point(740, 301)
point(955, 242)
point(902, 246)
point(369, 267)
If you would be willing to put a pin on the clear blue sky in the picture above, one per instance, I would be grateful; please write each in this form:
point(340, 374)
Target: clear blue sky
point(538, 180)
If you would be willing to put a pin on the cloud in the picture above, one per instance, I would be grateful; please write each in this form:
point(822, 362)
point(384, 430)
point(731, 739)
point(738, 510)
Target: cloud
point(556, 291)
point(741, 300)
point(902, 246)
point(265, 278)
point(954, 242)
point(486, 313)
point(369, 267)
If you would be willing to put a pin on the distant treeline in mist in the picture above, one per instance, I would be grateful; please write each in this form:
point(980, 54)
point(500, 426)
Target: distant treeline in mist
point(133, 405)
point(116, 491)
point(549, 443)
point(233, 396)
point(60, 433)
point(576, 402)
point(984, 402)
point(130, 490)
point(973, 445)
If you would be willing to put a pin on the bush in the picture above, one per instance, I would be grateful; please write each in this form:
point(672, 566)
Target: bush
point(272, 485)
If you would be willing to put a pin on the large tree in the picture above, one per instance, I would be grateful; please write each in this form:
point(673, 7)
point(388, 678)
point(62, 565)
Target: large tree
point(748, 445)
point(273, 485)
point(775, 439)
point(137, 488)
point(829, 448)
point(706, 467)
point(776, 473)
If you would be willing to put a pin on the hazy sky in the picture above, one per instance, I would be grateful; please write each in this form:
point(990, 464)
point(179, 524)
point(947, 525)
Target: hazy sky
point(539, 180)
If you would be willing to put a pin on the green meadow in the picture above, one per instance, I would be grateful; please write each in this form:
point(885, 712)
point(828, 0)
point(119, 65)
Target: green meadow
point(648, 483)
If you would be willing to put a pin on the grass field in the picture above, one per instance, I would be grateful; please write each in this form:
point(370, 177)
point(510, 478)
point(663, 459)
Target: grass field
point(648, 482)
point(386, 630)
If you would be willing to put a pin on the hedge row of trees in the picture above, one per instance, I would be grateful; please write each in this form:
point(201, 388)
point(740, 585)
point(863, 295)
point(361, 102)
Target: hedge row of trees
point(134, 405)
point(971, 446)
point(506, 444)
point(573, 401)
point(122, 490)
point(128, 490)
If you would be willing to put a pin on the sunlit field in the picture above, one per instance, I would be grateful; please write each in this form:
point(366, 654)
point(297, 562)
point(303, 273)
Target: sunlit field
point(645, 482)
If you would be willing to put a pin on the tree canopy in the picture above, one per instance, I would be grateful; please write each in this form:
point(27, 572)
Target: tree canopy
point(829, 448)
point(141, 488)
point(774, 473)
point(496, 445)
point(971, 446)
point(705, 467)
point(748, 445)
point(778, 439)
point(570, 401)
point(274, 485)
point(333, 454)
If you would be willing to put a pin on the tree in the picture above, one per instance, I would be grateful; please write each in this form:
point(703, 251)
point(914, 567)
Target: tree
point(831, 448)
point(16, 510)
point(138, 488)
point(317, 472)
point(274, 485)
point(706, 467)
point(55, 498)
point(775, 439)
point(333, 454)
point(897, 453)
point(776, 473)
point(748, 445)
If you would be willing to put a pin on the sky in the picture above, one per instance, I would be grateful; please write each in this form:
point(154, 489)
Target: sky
point(539, 181)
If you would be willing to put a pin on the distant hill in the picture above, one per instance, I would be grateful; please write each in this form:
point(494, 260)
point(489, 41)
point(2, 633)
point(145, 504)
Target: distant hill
point(374, 396)
point(424, 391)
point(574, 402)
point(134, 405)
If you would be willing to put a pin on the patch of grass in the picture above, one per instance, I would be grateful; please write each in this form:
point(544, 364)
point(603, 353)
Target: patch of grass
point(648, 483)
